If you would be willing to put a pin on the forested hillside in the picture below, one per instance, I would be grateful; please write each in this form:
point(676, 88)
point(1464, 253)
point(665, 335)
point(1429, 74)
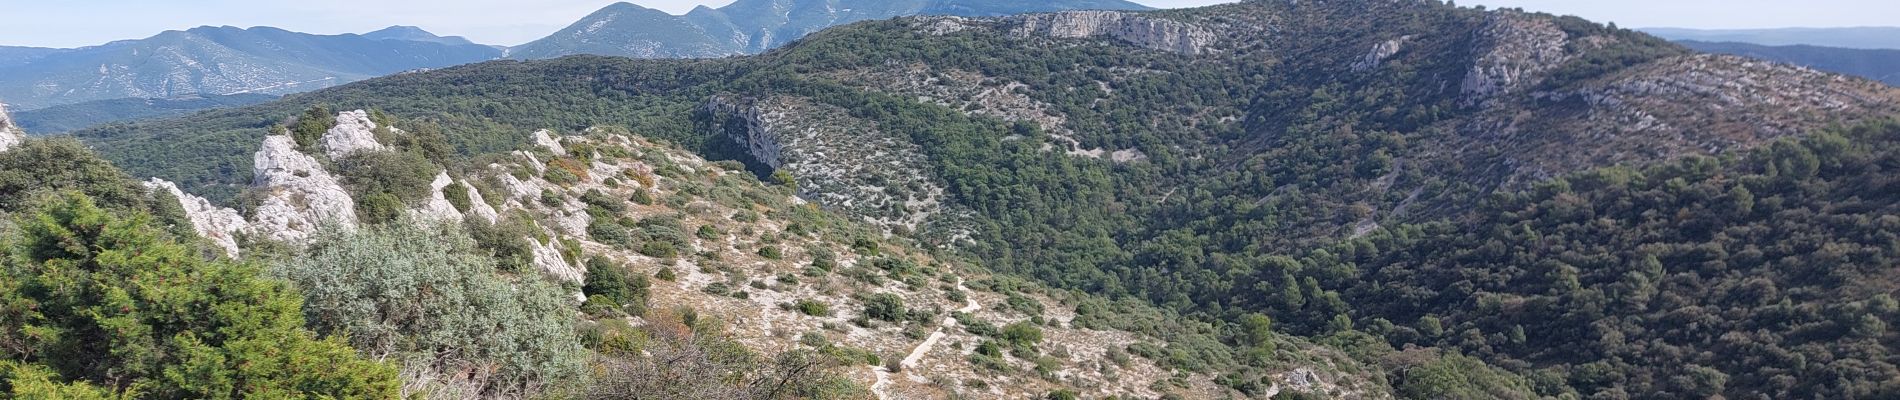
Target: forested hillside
point(1339, 170)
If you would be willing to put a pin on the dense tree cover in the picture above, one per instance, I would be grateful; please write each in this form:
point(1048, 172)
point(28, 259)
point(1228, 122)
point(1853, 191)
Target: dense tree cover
point(49, 165)
point(424, 297)
point(99, 304)
point(1755, 277)
point(71, 117)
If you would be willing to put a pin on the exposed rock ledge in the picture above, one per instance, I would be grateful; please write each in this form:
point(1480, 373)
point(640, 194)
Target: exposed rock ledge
point(221, 225)
point(10, 134)
point(1141, 30)
point(299, 196)
point(353, 133)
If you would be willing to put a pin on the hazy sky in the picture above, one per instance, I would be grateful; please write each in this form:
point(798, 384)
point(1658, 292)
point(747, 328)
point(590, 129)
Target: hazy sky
point(72, 23)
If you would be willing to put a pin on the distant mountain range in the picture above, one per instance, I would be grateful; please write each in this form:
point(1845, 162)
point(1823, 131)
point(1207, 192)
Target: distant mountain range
point(221, 61)
point(1877, 64)
point(753, 26)
point(1853, 38)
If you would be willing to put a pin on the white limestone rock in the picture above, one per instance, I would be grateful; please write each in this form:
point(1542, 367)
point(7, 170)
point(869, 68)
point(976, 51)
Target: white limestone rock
point(548, 258)
point(1379, 53)
point(478, 205)
point(221, 225)
point(353, 133)
point(1138, 29)
point(439, 209)
point(10, 134)
point(299, 196)
point(545, 138)
point(1514, 50)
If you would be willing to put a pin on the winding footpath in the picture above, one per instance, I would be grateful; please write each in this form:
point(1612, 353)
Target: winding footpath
point(917, 354)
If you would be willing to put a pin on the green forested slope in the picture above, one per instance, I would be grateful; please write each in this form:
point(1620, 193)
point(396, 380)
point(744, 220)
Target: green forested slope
point(1261, 156)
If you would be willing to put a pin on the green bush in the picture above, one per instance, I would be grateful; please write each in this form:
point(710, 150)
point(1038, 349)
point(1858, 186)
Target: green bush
point(385, 288)
point(43, 165)
point(109, 304)
point(458, 196)
point(612, 281)
point(813, 308)
point(885, 307)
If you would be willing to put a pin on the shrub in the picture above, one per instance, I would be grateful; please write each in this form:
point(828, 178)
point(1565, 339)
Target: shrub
point(458, 196)
point(92, 298)
point(885, 307)
point(382, 288)
point(1022, 334)
point(770, 253)
point(401, 174)
point(611, 281)
point(813, 308)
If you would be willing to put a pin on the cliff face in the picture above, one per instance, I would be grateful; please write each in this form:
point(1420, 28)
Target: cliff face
point(1140, 29)
point(1514, 49)
point(840, 161)
point(299, 196)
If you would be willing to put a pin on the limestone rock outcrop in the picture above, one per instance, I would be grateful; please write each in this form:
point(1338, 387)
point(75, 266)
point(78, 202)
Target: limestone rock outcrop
point(353, 133)
point(545, 138)
point(298, 195)
point(10, 134)
point(1136, 28)
point(1514, 49)
point(1379, 53)
point(218, 224)
point(840, 161)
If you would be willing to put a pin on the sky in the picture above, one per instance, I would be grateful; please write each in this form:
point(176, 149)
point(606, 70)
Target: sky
point(74, 23)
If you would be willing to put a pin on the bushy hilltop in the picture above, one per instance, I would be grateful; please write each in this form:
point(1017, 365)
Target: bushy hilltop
point(646, 238)
point(1205, 160)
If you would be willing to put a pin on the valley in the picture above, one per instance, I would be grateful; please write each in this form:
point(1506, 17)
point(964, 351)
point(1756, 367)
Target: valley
point(1352, 199)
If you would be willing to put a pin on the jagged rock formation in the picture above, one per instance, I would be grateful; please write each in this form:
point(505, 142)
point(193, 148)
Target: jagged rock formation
point(298, 195)
point(1513, 50)
point(1145, 30)
point(10, 134)
point(440, 209)
point(218, 224)
point(353, 133)
point(545, 139)
point(1379, 53)
point(840, 161)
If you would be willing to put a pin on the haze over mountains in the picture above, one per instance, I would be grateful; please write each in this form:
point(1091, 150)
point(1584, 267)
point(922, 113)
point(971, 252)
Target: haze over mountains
point(753, 26)
point(222, 61)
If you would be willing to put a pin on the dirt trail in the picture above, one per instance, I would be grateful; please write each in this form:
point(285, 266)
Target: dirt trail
point(917, 354)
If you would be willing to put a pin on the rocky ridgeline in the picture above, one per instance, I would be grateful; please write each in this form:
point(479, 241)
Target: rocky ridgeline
point(297, 196)
point(222, 226)
point(1514, 49)
point(10, 134)
point(1140, 29)
point(1695, 104)
point(841, 161)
